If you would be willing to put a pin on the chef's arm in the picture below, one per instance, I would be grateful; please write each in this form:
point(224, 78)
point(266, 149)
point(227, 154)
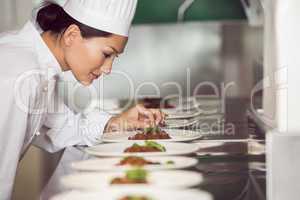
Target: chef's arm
point(67, 129)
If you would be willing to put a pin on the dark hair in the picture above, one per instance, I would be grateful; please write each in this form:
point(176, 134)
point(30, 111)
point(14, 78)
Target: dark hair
point(53, 18)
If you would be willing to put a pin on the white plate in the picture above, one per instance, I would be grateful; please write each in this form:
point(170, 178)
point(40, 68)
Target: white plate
point(179, 114)
point(177, 135)
point(179, 123)
point(162, 179)
point(110, 164)
point(118, 193)
point(117, 149)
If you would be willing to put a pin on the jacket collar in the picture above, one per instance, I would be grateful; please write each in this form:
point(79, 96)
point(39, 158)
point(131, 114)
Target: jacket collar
point(45, 57)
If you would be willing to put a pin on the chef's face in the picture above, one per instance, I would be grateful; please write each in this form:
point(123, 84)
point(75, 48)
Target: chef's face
point(89, 58)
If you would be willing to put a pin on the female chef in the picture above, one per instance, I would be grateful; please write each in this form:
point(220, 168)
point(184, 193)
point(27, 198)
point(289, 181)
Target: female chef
point(83, 36)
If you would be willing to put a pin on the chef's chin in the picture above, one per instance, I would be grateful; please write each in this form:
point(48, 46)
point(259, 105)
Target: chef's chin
point(86, 82)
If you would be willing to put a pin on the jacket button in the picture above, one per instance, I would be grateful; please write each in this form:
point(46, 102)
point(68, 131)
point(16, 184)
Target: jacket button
point(45, 89)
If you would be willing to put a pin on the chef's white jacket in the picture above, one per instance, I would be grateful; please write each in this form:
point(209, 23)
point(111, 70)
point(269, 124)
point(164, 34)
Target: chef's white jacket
point(30, 107)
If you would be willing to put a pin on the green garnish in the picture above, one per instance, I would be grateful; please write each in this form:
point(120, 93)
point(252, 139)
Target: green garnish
point(152, 129)
point(148, 130)
point(155, 145)
point(136, 145)
point(137, 174)
point(137, 198)
point(170, 162)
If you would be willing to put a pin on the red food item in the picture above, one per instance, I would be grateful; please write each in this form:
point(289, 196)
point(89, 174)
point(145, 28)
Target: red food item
point(156, 103)
point(137, 149)
point(136, 161)
point(155, 134)
point(125, 180)
point(134, 197)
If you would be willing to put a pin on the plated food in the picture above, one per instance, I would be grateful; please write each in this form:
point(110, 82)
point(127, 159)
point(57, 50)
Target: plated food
point(139, 148)
point(136, 161)
point(134, 178)
point(135, 198)
point(152, 133)
point(155, 103)
point(137, 157)
point(156, 134)
point(128, 162)
point(125, 193)
point(149, 146)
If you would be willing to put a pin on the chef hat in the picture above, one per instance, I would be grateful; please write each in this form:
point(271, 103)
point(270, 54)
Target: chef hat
point(113, 16)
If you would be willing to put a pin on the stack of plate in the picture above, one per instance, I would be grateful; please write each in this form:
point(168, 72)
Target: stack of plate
point(165, 181)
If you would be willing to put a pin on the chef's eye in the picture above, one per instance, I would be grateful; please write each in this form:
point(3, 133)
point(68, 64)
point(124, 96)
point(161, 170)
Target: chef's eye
point(106, 55)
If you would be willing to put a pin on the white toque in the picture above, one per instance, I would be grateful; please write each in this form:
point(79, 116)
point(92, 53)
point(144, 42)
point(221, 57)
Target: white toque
point(114, 16)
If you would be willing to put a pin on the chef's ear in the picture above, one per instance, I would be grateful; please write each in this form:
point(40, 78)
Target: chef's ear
point(71, 34)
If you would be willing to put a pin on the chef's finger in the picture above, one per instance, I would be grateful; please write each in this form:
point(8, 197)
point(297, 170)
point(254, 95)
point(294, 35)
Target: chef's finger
point(157, 115)
point(146, 112)
point(138, 124)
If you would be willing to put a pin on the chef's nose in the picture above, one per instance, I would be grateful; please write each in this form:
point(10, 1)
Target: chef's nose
point(107, 66)
point(106, 69)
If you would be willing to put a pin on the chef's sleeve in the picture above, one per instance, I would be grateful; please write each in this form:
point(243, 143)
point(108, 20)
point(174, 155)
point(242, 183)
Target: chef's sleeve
point(64, 128)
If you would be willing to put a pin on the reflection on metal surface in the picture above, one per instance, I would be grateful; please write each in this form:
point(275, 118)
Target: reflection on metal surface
point(182, 9)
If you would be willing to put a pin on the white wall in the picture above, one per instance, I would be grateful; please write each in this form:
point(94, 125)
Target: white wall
point(282, 96)
point(14, 13)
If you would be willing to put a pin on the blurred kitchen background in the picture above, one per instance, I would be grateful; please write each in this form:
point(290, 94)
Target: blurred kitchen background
point(206, 40)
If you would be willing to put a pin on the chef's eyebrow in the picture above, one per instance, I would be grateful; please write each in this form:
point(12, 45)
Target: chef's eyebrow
point(117, 52)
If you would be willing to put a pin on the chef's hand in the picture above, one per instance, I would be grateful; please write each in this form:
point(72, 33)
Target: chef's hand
point(137, 117)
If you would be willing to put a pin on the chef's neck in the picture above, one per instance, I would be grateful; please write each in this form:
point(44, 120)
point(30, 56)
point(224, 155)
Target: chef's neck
point(53, 43)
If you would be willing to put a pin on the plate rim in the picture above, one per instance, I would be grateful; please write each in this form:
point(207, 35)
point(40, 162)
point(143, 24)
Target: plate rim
point(195, 192)
point(68, 182)
point(192, 162)
point(196, 137)
point(194, 148)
